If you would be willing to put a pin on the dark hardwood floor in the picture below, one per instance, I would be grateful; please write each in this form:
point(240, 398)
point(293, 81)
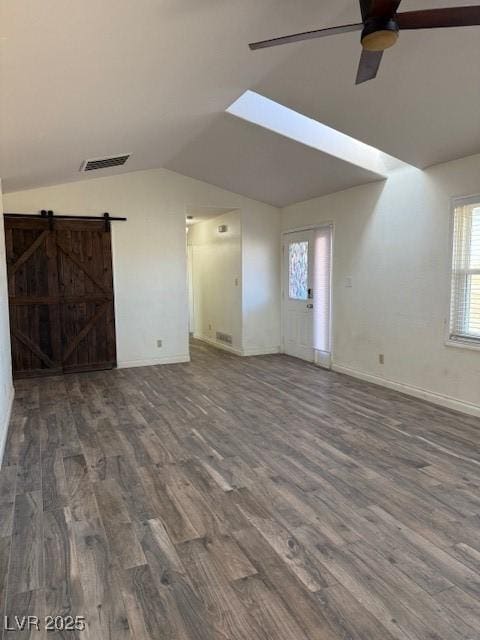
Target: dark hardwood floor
point(239, 499)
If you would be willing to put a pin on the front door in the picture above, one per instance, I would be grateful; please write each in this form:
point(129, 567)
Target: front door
point(298, 251)
point(306, 294)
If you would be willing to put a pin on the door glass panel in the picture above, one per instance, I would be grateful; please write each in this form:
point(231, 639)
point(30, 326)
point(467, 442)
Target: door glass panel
point(298, 270)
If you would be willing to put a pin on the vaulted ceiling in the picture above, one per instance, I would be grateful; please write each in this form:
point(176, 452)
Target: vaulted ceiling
point(154, 77)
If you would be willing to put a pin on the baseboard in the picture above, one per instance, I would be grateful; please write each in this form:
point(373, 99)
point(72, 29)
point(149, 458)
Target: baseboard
point(411, 390)
point(5, 424)
point(260, 351)
point(252, 351)
point(150, 362)
point(219, 345)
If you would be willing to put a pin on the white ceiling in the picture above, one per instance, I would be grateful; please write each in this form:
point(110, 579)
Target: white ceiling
point(153, 77)
point(247, 159)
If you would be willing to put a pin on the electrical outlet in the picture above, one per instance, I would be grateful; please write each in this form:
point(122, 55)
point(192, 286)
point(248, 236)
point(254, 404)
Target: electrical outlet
point(159, 344)
point(381, 358)
point(349, 282)
point(209, 327)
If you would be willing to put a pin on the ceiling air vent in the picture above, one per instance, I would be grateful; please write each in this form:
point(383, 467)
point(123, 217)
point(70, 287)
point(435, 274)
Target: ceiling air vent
point(104, 163)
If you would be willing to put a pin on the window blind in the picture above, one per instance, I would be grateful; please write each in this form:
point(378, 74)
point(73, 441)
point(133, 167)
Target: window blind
point(465, 297)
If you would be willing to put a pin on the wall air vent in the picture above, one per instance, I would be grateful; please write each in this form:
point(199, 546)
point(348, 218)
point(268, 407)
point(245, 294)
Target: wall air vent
point(224, 337)
point(104, 163)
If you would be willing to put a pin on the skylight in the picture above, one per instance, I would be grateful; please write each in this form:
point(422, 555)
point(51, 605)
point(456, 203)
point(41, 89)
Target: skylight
point(273, 116)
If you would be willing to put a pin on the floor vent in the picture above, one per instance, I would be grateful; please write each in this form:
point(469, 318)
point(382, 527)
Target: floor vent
point(224, 337)
point(104, 163)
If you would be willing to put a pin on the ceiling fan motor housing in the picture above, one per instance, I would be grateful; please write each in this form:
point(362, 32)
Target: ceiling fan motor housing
point(379, 34)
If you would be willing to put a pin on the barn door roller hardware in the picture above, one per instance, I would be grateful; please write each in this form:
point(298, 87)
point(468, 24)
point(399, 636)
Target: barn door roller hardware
point(51, 216)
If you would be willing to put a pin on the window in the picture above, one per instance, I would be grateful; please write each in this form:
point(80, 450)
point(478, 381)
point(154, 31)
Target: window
point(298, 270)
point(322, 293)
point(273, 116)
point(465, 298)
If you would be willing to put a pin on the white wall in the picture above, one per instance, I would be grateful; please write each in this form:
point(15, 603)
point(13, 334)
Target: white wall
point(261, 268)
point(6, 386)
point(216, 277)
point(191, 318)
point(149, 251)
point(393, 239)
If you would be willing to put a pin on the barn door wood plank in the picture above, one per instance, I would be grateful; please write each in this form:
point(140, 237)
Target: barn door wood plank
point(28, 252)
point(54, 300)
point(81, 265)
point(108, 282)
point(53, 291)
point(33, 347)
point(86, 329)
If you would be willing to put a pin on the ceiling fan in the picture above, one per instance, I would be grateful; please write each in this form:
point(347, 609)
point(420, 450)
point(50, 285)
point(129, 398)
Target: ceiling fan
point(380, 27)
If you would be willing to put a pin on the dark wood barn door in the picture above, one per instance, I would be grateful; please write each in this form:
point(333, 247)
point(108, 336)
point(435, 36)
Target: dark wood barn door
point(61, 296)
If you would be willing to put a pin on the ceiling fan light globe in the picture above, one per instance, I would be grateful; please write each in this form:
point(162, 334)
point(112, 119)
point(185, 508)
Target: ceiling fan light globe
point(379, 40)
point(379, 34)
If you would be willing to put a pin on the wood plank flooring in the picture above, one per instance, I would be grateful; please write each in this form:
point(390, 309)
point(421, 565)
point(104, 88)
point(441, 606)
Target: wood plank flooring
point(239, 499)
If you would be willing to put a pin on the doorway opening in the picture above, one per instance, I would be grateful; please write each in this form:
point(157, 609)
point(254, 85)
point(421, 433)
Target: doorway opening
point(214, 270)
point(307, 294)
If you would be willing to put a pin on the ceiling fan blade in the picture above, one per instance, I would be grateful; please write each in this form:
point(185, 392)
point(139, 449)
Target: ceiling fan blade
point(368, 65)
point(306, 35)
point(438, 18)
